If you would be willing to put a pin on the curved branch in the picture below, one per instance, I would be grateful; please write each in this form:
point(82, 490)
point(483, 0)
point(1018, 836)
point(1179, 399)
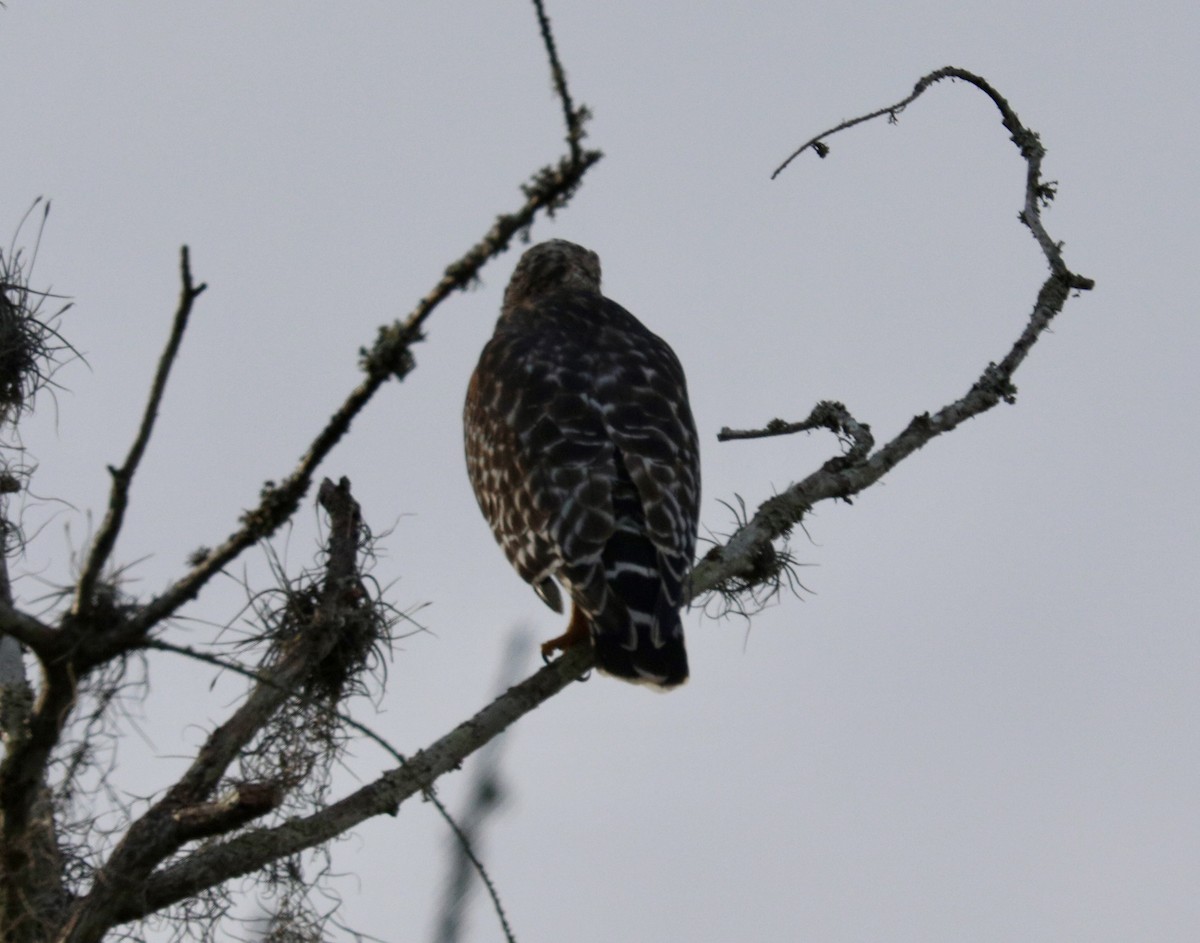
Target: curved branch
point(844, 476)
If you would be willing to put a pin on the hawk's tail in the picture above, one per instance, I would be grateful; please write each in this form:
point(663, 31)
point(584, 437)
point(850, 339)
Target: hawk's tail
point(663, 666)
point(639, 636)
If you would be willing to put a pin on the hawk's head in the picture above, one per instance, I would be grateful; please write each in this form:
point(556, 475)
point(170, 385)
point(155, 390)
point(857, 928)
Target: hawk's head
point(552, 266)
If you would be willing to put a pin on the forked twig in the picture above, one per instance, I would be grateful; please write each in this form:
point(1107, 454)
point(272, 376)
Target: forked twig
point(825, 415)
point(122, 477)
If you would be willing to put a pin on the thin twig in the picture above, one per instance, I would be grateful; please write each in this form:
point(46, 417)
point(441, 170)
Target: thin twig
point(485, 795)
point(817, 143)
point(122, 477)
point(822, 149)
point(572, 117)
point(825, 415)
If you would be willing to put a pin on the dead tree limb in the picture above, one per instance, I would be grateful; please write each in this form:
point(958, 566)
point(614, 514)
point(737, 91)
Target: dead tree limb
point(846, 475)
point(122, 478)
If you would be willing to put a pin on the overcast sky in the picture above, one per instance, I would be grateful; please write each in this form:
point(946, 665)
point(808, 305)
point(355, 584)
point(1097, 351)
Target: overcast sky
point(979, 724)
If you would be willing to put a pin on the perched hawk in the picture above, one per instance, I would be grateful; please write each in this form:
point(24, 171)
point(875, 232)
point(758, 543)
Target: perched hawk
point(583, 455)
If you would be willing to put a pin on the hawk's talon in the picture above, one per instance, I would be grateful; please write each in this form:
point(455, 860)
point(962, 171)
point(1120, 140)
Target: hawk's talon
point(578, 633)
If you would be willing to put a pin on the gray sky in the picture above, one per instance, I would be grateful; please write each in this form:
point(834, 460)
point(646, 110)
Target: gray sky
point(981, 723)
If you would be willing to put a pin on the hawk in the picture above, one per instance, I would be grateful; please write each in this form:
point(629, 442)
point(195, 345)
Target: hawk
point(583, 455)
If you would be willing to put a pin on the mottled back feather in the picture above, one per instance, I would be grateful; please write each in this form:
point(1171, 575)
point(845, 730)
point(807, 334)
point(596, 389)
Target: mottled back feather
point(583, 455)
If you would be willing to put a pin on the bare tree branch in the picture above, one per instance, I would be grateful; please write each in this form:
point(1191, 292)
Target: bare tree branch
point(250, 851)
point(574, 119)
point(846, 475)
point(122, 477)
point(485, 795)
point(244, 803)
point(825, 415)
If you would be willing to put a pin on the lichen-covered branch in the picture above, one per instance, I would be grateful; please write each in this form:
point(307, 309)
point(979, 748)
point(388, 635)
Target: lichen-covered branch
point(825, 415)
point(250, 851)
point(573, 117)
point(389, 357)
point(846, 475)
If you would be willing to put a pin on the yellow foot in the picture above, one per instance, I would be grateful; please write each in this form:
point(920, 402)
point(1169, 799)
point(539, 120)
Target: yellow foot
point(577, 633)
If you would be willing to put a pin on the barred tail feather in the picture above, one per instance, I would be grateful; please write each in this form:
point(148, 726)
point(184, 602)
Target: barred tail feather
point(663, 666)
point(639, 636)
